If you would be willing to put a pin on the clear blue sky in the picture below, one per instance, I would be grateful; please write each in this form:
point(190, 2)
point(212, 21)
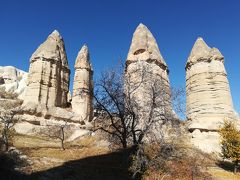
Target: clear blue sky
point(107, 28)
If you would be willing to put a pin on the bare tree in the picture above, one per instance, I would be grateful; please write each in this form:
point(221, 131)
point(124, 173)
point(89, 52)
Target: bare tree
point(8, 117)
point(120, 112)
point(56, 132)
point(178, 98)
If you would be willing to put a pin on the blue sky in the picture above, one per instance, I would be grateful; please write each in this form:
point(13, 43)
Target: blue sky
point(107, 28)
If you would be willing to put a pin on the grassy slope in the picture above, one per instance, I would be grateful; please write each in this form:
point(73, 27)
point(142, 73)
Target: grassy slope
point(82, 159)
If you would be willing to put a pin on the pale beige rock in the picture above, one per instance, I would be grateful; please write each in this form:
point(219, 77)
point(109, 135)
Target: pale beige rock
point(78, 133)
point(13, 80)
point(146, 68)
point(144, 47)
point(82, 99)
point(48, 79)
point(27, 128)
point(209, 100)
point(207, 141)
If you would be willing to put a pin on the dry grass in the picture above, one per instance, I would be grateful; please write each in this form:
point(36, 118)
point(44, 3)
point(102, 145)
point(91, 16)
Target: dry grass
point(66, 155)
point(46, 153)
point(26, 141)
point(185, 164)
point(221, 174)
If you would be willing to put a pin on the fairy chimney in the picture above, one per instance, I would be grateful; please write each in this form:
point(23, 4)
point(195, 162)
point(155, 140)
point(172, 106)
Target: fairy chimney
point(209, 99)
point(48, 78)
point(82, 99)
point(146, 71)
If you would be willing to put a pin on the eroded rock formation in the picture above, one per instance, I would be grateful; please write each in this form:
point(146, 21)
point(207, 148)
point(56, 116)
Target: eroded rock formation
point(13, 80)
point(147, 73)
point(209, 100)
point(48, 79)
point(83, 85)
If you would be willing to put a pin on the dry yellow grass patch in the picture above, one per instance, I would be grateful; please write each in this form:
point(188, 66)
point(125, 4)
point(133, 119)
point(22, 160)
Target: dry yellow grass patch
point(46, 153)
point(222, 174)
point(26, 141)
point(66, 155)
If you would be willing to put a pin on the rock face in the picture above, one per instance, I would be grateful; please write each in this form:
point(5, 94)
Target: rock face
point(145, 70)
point(48, 79)
point(209, 100)
point(13, 80)
point(82, 99)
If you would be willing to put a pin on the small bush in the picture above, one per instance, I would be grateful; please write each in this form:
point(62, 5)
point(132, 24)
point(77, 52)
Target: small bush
point(230, 141)
point(152, 161)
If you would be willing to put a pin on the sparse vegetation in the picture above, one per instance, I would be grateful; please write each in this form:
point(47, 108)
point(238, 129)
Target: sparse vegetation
point(7, 95)
point(119, 113)
point(230, 141)
point(56, 132)
point(8, 117)
point(171, 159)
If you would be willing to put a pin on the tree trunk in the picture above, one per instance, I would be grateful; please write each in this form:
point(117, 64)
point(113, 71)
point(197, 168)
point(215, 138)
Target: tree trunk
point(235, 167)
point(5, 139)
point(62, 144)
point(124, 145)
point(62, 138)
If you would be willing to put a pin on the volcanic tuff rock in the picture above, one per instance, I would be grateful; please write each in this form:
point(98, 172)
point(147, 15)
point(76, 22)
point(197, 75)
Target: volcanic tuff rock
point(48, 79)
point(146, 68)
point(13, 80)
point(83, 85)
point(209, 100)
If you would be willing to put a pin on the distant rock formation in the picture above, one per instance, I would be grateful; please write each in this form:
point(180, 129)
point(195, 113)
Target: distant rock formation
point(13, 80)
point(48, 79)
point(146, 68)
point(82, 99)
point(209, 100)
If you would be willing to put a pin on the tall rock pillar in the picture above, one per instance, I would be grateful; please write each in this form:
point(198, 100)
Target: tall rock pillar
point(209, 100)
point(82, 99)
point(146, 71)
point(48, 78)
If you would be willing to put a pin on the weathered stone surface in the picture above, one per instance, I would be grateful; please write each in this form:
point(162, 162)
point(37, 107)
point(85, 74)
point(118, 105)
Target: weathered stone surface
point(82, 99)
point(48, 79)
point(27, 128)
point(144, 48)
point(145, 70)
point(209, 100)
point(13, 80)
point(34, 112)
point(207, 141)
